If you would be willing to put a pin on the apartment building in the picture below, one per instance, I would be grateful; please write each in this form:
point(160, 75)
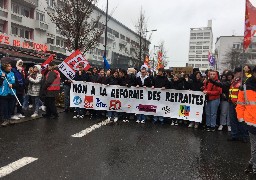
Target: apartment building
point(25, 24)
point(201, 41)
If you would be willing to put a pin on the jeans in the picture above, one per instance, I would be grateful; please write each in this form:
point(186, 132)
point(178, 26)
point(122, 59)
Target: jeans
point(253, 152)
point(224, 113)
point(67, 96)
point(238, 130)
point(211, 110)
point(26, 101)
point(141, 117)
point(36, 103)
point(111, 114)
point(80, 111)
point(50, 106)
point(160, 118)
point(7, 104)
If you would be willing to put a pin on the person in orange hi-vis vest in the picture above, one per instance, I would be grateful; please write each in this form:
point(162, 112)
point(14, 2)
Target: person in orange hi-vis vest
point(246, 108)
point(239, 131)
point(51, 89)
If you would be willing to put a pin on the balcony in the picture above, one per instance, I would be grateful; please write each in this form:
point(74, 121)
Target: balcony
point(111, 37)
point(123, 42)
point(3, 13)
point(16, 17)
point(41, 25)
point(28, 3)
point(58, 49)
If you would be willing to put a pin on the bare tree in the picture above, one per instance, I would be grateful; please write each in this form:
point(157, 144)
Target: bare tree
point(163, 50)
point(235, 58)
point(141, 28)
point(73, 19)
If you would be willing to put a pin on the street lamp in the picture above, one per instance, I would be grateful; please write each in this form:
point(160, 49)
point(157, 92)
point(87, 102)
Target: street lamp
point(106, 35)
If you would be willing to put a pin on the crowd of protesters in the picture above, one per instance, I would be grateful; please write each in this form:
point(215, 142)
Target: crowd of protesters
point(230, 96)
point(20, 90)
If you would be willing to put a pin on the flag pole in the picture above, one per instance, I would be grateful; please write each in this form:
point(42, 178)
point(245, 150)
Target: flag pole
point(106, 37)
point(13, 92)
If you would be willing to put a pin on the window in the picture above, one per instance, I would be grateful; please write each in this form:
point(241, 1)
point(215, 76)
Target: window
point(200, 34)
point(122, 37)
point(59, 42)
point(15, 8)
point(206, 37)
point(40, 16)
point(200, 37)
point(198, 65)
point(128, 40)
point(205, 65)
point(116, 33)
point(15, 31)
point(206, 47)
point(50, 3)
point(198, 60)
point(191, 56)
point(110, 30)
point(2, 4)
point(193, 34)
point(193, 38)
point(198, 47)
point(198, 56)
point(236, 46)
point(50, 41)
point(22, 33)
point(27, 34)
point(192, 47)
point(114, 45)
point(191, 60)
point(205, 59)
point(207, 33)
point(25, 12)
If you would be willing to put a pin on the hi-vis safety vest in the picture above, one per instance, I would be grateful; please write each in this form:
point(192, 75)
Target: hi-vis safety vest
point(234, 90)
point(246, 107)
point(55, 86)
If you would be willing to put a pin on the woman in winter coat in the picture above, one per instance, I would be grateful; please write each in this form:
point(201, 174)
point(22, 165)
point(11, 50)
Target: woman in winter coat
point(7, 94)
point(35, 82)
point(213, 94)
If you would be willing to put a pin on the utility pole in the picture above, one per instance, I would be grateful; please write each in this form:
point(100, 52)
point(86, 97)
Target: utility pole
point(106, 36)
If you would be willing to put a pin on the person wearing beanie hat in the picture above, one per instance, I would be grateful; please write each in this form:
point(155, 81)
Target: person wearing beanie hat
point(20, 87)
point(246, 107)
point(34, 87)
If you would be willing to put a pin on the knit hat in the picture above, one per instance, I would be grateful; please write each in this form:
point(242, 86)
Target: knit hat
point(144, 66)
point(38, 67)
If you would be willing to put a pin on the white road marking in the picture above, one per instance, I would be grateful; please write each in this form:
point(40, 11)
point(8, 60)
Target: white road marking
point(90, 129)
point(16, 165)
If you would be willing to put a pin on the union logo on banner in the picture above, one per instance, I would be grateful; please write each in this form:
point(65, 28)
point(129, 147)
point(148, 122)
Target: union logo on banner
point(70, 65)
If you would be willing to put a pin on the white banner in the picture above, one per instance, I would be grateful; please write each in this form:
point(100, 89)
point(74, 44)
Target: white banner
point(186, 105)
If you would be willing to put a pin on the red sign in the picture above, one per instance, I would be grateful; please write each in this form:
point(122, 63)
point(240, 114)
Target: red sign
point(4, 39)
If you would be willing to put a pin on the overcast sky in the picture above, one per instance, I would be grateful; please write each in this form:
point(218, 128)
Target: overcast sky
point(173, 20)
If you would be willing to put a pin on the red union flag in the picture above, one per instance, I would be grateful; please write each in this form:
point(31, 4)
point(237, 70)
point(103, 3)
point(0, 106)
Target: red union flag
point(250, 24)
point(44, 66)
point(70, 65)
point(160, 60)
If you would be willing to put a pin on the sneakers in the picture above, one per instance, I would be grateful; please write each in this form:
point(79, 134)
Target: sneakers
point(75, 117)
point(43, 108)
point(15, 117)
point(5, 123)
point(82, 116)
point(196, 126)
point(125, 120)
point(248, 169)
point(229, 128)
point(115, 119)
point(191, 125)
point(30, 106)
point(220, 128)
point(138, 121)
point(20, 116)
point(142, 122)
point(172, 124)
point(109, 118)
point(34, 115)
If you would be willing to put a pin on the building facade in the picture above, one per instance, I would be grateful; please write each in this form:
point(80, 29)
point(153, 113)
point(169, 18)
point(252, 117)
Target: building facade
point(26, 24)
point(201, 41)
point(225, 44)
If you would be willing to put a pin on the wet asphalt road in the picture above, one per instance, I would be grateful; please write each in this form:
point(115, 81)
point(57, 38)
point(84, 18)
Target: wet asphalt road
point(120, 151)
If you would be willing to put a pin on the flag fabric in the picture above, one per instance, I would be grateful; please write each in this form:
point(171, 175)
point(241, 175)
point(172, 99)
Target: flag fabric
point(44, 66)
point(160, 60)
point(211, 59)
point(250, 24)
point(146, 61)
point(71, 64)
point(106, 64)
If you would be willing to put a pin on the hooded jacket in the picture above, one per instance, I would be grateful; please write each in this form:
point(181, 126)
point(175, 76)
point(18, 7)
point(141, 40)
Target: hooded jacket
point(5, 90)
point(160, 82)
point(213, 91)
point(35, 82)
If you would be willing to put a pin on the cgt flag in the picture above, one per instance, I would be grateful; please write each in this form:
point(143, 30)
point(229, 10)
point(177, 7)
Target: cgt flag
point(250, 24)
point(44, 66)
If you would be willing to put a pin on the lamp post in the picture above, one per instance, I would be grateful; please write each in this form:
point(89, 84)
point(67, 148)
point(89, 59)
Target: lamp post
point(106, 36)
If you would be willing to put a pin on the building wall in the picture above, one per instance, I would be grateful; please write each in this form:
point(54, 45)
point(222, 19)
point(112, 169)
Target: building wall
point(27, 22)
point(225, 43)
point(201, 41)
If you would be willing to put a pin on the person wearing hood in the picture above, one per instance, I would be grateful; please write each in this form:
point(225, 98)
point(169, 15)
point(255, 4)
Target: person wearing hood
point(20, 76)
point(246, 107)
point(7, 96)
point(35, 81)
point(212, 93)
point(160, 81)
